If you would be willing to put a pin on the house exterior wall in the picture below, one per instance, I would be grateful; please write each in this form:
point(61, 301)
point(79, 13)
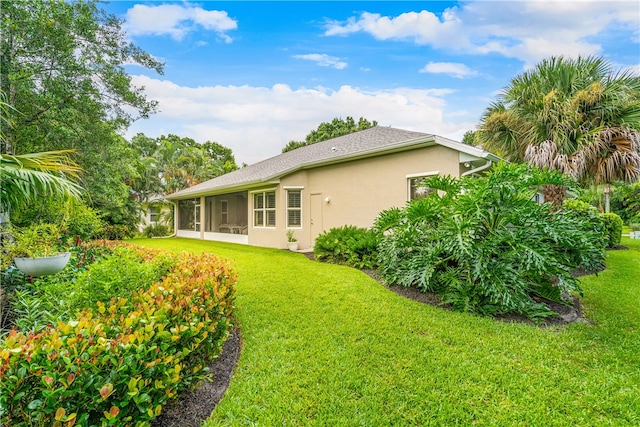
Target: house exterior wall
point(145, 214)
point(350, 193)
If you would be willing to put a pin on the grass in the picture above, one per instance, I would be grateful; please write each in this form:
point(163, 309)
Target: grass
point(326, 345)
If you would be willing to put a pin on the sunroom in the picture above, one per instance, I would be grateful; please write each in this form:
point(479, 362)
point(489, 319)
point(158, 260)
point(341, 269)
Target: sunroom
point(224, 217)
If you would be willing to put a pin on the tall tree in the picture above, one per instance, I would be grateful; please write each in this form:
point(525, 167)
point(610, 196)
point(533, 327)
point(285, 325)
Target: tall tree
point(577, 116)
point(61, 66)
point(328, 130)
point(171, 163)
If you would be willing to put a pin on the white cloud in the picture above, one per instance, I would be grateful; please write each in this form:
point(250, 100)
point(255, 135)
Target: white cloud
point(256, 122)
point(177, 21)
point(527, 30)
point(456, 70)
point(323, 60)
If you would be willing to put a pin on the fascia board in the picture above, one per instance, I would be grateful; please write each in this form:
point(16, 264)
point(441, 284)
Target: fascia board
point(467, 149)
point(247, 186)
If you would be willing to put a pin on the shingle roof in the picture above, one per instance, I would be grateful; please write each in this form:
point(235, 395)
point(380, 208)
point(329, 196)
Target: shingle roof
point(370, 141)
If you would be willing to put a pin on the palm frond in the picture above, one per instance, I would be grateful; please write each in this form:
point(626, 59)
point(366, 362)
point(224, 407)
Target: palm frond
point(24, 178)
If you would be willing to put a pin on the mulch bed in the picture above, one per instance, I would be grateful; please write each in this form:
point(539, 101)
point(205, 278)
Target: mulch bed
point(191, 408)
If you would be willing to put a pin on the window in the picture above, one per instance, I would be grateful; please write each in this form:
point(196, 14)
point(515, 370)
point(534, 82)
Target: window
point(294, 208)
point(224, 212)
point(154, 213)
point(264, 209)
point(417, 188)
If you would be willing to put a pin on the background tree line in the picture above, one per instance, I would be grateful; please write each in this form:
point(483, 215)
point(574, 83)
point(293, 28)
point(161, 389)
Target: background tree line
point(65, 88)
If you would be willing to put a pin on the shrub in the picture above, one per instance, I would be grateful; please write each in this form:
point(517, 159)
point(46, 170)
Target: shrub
point(349, 245)
point(158, 230)
point(73, 216)
point(625, 200)
point(489, 249)
point(115, 232)
point(116, 273)
point(119, 363)
point(35, 305)
point(83, 222)
point(612, 228)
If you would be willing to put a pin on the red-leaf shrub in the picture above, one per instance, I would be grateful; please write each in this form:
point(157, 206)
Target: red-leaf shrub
point(119, 363)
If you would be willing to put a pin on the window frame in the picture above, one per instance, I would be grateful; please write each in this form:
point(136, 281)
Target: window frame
point(289, 208)
point(154, 214)
point(265, 209)
point(415, 177)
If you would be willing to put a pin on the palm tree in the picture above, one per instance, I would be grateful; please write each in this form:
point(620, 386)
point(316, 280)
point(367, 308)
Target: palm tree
point(576, 116)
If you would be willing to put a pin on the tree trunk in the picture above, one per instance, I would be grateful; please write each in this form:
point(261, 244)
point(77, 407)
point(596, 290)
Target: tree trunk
point(607, 198)
point(554, 194)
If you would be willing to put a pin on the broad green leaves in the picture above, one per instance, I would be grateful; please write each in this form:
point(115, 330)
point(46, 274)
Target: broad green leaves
point(489, 249)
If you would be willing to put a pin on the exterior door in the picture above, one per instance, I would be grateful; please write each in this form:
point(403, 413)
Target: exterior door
point(316, 216)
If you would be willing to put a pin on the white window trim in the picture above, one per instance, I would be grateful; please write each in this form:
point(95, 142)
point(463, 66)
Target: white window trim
point(196, 215)
point(422, 174)
point(287, 189)
point(253, 209)
point(411, 176)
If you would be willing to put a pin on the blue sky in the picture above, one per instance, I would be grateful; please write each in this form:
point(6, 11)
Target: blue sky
point(253, 76)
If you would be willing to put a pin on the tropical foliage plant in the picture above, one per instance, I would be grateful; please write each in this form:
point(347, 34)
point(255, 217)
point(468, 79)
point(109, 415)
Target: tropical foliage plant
point(157, 230)
point(486, 246)
point(28, 177)
point(349, 245)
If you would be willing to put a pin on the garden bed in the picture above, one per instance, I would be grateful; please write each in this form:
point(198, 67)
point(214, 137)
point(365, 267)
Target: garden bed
point(121, 358)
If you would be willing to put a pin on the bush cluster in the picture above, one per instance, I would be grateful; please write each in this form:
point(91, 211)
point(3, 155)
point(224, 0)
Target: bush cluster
point(609, 224)
point(612, 228)
point(74, 218)
point(349, 245)
point(119, 362)
point(625, 201)
point(119, 270)
point(486, 247)
point(115, 232)
point(158, 230)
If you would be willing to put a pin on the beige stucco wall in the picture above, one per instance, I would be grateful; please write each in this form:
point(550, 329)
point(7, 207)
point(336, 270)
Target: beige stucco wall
point(145, 215)
point(357, 191)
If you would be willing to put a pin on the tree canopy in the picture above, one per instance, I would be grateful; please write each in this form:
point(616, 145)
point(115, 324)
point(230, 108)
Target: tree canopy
point(170, 163)
point(577, 116)
point(61, 67)
point(328, 130)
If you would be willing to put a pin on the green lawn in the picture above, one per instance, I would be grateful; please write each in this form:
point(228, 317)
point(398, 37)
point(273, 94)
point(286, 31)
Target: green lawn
point(326, 345)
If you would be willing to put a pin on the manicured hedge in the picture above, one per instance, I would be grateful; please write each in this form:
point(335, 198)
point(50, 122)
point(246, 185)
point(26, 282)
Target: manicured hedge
point(613, 228)
point(119, 363)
